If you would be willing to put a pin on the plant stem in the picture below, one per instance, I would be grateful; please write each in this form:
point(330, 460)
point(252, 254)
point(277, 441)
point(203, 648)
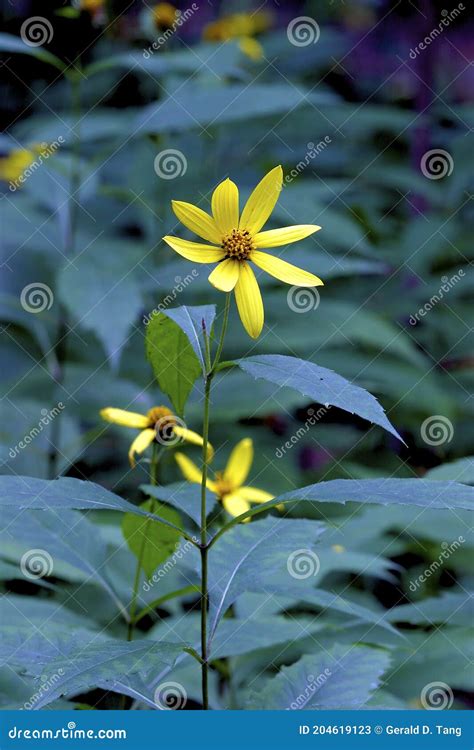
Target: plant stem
point(204, 545)
point(136, 581)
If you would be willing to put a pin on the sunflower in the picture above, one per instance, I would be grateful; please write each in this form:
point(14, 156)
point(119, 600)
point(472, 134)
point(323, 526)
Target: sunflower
point(236, 241)
point(229, 484)
point(158, 424)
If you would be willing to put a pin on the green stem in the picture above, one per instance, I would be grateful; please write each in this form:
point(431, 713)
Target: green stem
point(136, 581)
point(204, 543)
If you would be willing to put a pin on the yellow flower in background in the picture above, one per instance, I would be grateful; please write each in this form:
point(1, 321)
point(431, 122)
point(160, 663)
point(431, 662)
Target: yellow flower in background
point(242, 26)
point(236, 241)
point(92, 6)
point(18, 160)
point(165, 15)
point(229, 484)
point(158, 424)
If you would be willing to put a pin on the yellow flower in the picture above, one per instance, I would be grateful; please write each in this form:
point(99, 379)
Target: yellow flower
point(18, 160)
point(236, 241)
point(164, 15)
point(242, 26)
point(158, 424)
point(92, 6)
point(229, 484)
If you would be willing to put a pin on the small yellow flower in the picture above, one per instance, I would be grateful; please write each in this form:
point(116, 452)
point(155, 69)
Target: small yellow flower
point(158, 424)
point(241, 26)
point(18, 160)
point(236, 241)
point(164, 15)
point(338, 548)
point(228, 484)
point(92, 6)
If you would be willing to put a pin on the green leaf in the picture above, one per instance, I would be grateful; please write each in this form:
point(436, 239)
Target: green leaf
point(342, 678)
point(184, 496)
point(318, 383)
point(66, 492)
point(83, 669)
point(9, 43)
point(195, 322)
point(453, 607)
point(461, 470)
point(151, 541)
point(172, 358)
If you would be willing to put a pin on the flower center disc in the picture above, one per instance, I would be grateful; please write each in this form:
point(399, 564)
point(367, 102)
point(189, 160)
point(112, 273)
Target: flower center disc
point(162, 420)
point(238, 244)
point(223, 487)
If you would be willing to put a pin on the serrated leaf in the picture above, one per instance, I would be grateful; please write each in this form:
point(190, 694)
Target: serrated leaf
point(151, 541)
point(66, 492)
point(453, 607)
point(86, 668)
point(318, 383)
point(343, 678)
point(173, 359)
point(194, 321)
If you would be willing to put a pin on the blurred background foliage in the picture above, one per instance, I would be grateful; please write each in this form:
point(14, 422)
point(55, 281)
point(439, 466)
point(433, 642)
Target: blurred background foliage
point(350, 117)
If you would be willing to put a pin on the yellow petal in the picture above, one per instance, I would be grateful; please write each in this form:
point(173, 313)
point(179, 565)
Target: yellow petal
point(235, 504)
point(125, 418)
point(284, 271)
point(239, 463)
point(226, 275)
point(189, 469)
point(191, 472)
point(285, 235)
point(254, 495)
point(197, 220)
point(262, 201)
point(140, 444)
point(195, 251)
point(225, 206)
point(251, 48)
point(192, 437)
point(249, 301)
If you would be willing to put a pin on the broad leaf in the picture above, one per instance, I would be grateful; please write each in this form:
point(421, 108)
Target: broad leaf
point(150, 541)
point(184, 496)
point(66, 492)
point(318, 383)
point(10, 43)
point(172, 358)
point(85, 668)
point(461, 470)
point(343, 678)
point(196, 322)
point(453, 607)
